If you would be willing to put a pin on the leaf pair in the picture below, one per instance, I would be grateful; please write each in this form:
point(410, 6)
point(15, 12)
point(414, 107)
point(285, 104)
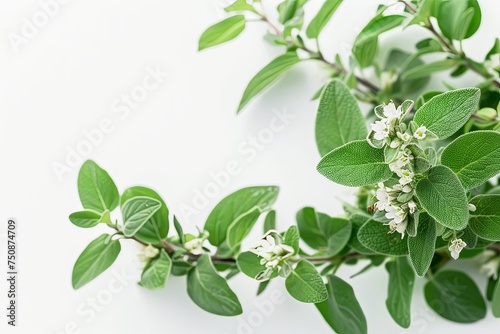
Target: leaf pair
point(233, 217)
point(321, 232)
point(145, 218)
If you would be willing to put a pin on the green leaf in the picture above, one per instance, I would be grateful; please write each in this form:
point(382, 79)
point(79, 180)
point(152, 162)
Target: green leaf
point(290, 13)
point(442, 195)
point(366, 43)
point(454, 296)
point(262, 287)
point(474, 157)
point(355, 164)
point(179, 230)
point(357, 221)
point(270, 221)
point(305, 284)
point(341, 310)
point(235, 215)
point(97, 190)
point(427, 69)
point(155, 274)
point(339, 119)
point(85, 218)
point(374, 235)
point(156, 228)
point(322, 17)
point(291, 238)
point(249, 264)
point(222, 32)
point(494, 50)
point(495, 300)
point(377, 26)
point(210, 291)
point(422, 246)
point(459, 19)
point(240, 5)
point(485, 221)
point(136, 212)
point(446, 113)
point(321, 232)
point(270, 73)
point(365, 53)
point(401, 281)
point(98, 256)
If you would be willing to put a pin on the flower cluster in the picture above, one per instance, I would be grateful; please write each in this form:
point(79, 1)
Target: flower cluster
point(396, 198)
point(195, 245)
point(273, 252)
point(147, 252)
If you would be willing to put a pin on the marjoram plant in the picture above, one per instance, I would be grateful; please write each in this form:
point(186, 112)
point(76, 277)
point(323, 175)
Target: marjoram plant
point(425, 163)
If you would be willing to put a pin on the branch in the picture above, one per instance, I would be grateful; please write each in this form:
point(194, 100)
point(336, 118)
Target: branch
point(319, 56)
point(451, 49)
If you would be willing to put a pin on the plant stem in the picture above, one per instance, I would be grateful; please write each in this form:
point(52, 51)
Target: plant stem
point(452, 50)
point(319, 56)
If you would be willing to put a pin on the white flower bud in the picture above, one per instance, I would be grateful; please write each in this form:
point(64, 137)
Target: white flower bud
point(456, 247)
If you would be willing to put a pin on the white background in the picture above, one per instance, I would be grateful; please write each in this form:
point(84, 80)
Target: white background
point(66, 79)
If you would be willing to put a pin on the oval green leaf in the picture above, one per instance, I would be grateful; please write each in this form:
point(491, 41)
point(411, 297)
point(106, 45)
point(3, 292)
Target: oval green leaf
point(446, 113)
point(474, 157)
point(322, 17)
point(339, 119)
point(459, 19)
point(270, 73)
point(305, 284)
point(155, 274)
point(136, 213)
point(210, 291)
point(454, 296)
point(156, 228)
point(98, 256)
point(222, 32)
point(442, 195)
point(239, 208)
point(85, 218)
point(96, 189)
point(423, 245)
point(485, 220)
point(401, 281)
point(374, 236)
point(342, 310)
point(355, 164)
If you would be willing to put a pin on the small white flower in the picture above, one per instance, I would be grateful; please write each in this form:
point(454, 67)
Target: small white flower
point(272, 251)
point(407, 188)
point(420, 132)
point(394, 167)
point(381, 130)
point(391, 112)
point(401, 228)
point(194, 246)
point(403, 136)
point(383, 198)
point(490, 268)
point(406, 177)
point(472, 207)
point(412, 206)
point(395, 143)
point(456, 247)
point(273, 263)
